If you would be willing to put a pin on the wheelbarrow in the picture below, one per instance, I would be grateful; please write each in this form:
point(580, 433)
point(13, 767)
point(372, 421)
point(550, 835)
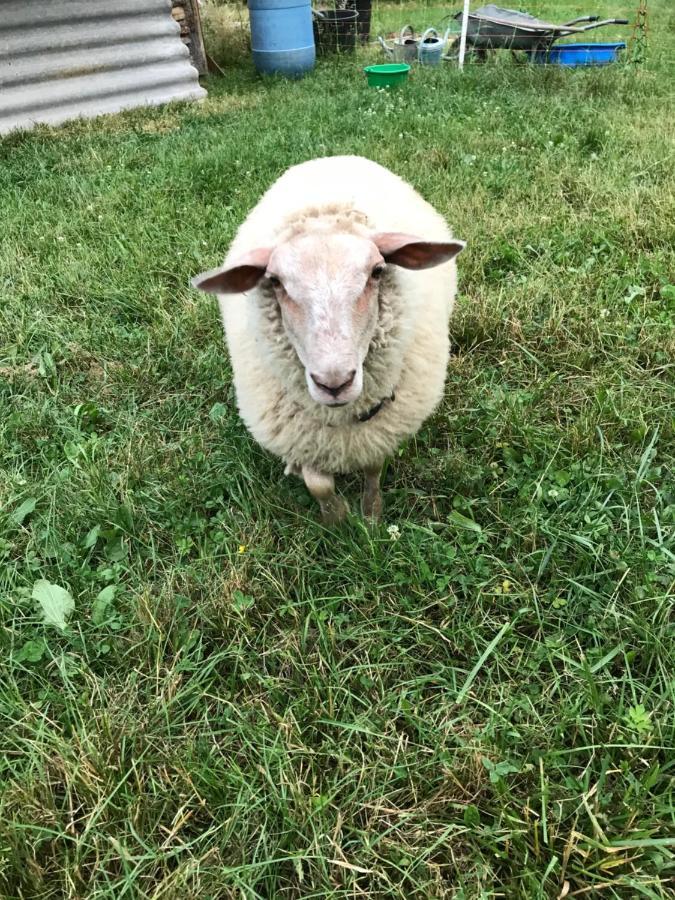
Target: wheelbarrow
point(495, 28)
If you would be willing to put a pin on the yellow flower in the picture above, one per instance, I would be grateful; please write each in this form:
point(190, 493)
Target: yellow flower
point(242, 548)
point(506, 586)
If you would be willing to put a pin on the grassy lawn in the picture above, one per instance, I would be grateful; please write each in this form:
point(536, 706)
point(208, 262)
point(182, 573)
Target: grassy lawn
point(244, 705)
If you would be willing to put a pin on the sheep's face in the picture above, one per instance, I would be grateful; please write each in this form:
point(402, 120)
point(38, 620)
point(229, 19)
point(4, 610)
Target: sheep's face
point(327, 285)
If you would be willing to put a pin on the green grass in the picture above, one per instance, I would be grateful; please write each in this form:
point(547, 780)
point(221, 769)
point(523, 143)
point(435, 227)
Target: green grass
point(244, 705)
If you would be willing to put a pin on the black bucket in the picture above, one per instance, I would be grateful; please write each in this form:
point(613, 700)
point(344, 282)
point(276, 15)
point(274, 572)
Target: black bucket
point(335, 30)
point(364, 9)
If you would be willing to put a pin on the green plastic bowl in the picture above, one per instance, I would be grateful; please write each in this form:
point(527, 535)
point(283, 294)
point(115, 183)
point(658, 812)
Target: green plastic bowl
point(389, 75)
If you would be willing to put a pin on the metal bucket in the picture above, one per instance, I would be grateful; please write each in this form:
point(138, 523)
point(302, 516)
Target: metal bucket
point(404, 47)
point(431, 47)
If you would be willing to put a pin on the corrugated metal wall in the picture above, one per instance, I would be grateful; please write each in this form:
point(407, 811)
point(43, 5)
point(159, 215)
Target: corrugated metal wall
point(61, 59)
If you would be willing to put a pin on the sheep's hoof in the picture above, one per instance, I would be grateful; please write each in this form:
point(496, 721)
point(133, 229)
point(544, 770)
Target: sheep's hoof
point(334, 511)
point(371, 505)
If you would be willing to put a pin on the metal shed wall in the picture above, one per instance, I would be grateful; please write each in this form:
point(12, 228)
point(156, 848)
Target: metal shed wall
point(61, 59)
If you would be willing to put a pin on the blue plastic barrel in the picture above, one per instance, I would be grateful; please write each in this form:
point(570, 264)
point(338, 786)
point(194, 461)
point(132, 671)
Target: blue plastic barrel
point(282, 38)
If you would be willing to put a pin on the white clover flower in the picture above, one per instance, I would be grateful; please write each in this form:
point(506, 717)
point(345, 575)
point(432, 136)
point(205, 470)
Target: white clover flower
point(393, 532)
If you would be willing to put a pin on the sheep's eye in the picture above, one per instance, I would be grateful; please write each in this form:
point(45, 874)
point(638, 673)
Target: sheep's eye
point(274, 281)
point(377, 272)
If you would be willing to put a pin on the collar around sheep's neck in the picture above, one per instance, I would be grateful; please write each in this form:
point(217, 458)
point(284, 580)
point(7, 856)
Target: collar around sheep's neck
point(374, 410)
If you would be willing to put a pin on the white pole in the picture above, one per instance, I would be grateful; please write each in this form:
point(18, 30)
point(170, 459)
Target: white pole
point(462, 39)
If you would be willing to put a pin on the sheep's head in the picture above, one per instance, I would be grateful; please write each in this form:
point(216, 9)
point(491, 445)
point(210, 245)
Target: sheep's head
point(327, 286)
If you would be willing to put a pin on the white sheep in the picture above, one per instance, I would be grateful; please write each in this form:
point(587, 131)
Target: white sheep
point(339, 336)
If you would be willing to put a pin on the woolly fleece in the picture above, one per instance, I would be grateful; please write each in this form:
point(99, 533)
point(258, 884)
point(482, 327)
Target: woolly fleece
point(410, 349)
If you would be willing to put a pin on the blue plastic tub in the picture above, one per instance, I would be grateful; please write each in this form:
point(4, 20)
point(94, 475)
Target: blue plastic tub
point(282, 38)
point(579, 54)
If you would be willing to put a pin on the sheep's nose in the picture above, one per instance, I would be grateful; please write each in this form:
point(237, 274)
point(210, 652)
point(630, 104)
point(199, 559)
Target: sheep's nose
point(333, 384)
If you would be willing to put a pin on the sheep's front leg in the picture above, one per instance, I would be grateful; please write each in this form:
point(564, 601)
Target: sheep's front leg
point(371, 501)
point(322, 488)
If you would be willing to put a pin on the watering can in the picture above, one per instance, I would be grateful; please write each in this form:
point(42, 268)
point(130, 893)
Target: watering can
point(404, 48)
point(431, 46)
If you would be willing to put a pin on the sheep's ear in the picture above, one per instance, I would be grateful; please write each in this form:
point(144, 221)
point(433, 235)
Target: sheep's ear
point(412, 252)
point(239, 276)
